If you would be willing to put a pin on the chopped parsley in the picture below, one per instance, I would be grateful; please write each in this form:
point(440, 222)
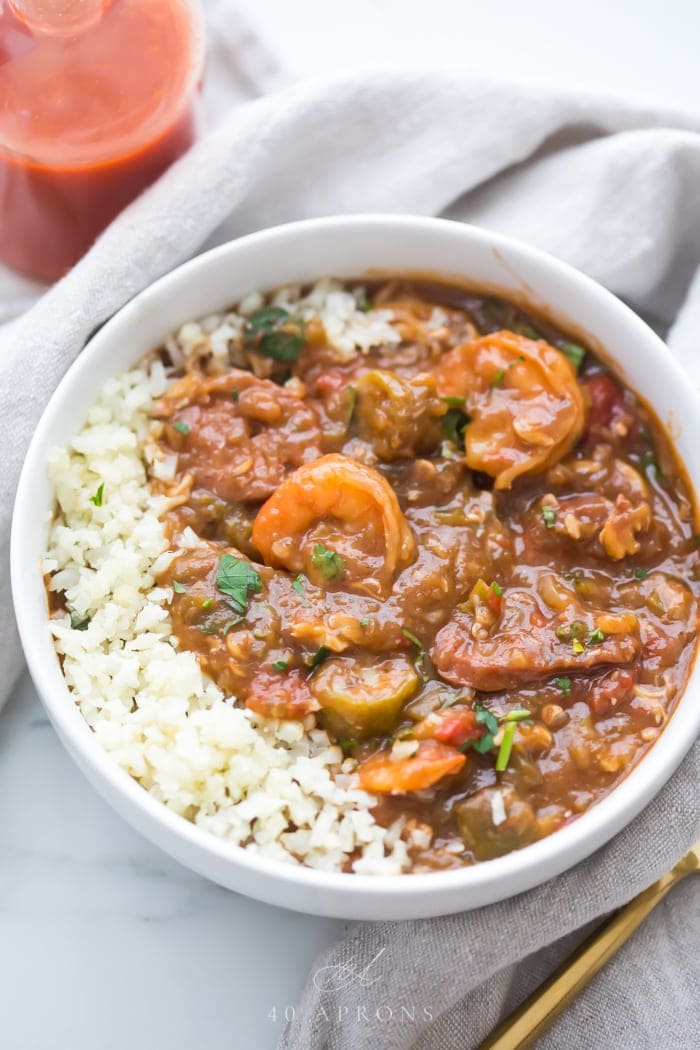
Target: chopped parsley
point(181, 427)
point(549, 516)
point(574, 352)
point(485, 718)
point(281, 665)
point(237, 579)
point(329, 563)
point(420, 658)
point(78, 622)
point(564, 684)
point(453, 402)
point(234, 394)
point(274, 333)
point(178, 587)
point(503, 756)
point(207, 603)
point(497, 589)
point(365, 621)
point(347, 745)
point(595, 637)
point(640, 574)
point(98, 498)
point(454, 423)
point(318, 658)
point(298, 583)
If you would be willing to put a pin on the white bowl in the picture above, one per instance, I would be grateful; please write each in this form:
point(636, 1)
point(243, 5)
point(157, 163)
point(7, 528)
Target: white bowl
point(348, 246)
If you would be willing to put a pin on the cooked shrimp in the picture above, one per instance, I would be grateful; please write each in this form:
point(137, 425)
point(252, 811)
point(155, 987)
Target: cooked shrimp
point(338, 521)
point(525, 405)
point(238, 436)
point(387, 774)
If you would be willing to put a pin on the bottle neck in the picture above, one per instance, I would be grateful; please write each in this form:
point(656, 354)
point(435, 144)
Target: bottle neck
point(59, 17)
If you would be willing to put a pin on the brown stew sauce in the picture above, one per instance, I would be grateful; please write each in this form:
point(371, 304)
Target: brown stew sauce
point(470, 554)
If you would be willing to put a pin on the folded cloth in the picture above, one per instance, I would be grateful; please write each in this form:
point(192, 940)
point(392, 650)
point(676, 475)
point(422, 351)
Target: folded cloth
point(610, 188)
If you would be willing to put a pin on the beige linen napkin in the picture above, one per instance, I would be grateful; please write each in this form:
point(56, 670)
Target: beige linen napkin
point(612, 189)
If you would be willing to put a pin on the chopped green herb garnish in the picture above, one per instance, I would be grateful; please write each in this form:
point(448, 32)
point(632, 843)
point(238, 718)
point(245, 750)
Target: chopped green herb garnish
point(365, 621)
point(574, 352)
point(281, 665)
point(595, 637)
point(564, 684)
point(318, 658)
point(347, 745)
point(412, 638)
point(237, 579)
point(497, 589)
point(298, 584)
point(529, 332)
point(420, 658)
point(640, 574)
point(485, 718)
point(454, 423)
point(453, 402)
point(503, 756)
point(273, 333)
point(98, 498)
point(549, 516)
point(329, 563)
point(366, 306)
point(234, 394)
point(518, 714)
point(78, 622)
point(178, 587)
point(498, 377)
point(207, 603)
point(181, 427)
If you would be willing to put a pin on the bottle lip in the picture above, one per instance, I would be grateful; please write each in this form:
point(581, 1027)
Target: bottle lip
point(59, 18)
point(76, 156)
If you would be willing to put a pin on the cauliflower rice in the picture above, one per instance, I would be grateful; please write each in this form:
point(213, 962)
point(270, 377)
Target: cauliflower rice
point(243, 778)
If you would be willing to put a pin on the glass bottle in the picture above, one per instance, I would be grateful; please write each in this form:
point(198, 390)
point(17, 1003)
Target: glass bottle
point(97, 99)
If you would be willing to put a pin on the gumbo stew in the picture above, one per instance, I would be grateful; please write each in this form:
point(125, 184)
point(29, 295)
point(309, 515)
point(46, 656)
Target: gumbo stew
point(467, 550)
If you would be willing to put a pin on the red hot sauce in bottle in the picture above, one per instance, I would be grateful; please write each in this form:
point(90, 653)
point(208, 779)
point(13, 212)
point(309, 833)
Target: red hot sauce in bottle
point(96, 101)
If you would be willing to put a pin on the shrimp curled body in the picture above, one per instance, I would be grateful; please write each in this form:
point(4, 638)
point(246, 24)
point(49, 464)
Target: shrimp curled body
point(336, 504)
point(523, 399)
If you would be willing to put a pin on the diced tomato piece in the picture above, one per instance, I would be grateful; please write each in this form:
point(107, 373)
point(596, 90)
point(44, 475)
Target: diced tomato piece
point(383, 775)
point(284, 695)
point(455, 726)
point(329, 382)
point(611, 691)
point(606, 400)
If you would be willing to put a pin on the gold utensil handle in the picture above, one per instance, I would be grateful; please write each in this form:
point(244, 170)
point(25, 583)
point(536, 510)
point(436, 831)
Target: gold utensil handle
point(541, 1009)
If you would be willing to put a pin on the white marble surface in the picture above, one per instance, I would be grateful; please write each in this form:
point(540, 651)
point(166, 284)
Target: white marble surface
point(105, 942)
